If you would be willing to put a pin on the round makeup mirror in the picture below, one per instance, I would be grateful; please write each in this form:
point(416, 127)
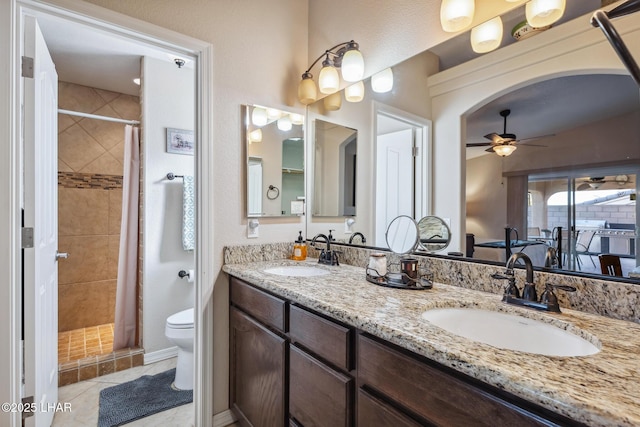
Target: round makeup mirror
point(434, 233)
point(402, 235)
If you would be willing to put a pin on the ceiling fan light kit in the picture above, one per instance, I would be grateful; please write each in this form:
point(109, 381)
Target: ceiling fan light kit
point(504, 150)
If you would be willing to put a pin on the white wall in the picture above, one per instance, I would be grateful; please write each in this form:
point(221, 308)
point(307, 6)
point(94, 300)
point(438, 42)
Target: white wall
point(168, 101)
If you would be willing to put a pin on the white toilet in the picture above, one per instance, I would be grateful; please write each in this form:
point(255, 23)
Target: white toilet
point(179, 330)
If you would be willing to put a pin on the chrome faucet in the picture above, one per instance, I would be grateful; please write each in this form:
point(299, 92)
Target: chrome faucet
point(548, 300)
point(357, 233)
point(327, 256)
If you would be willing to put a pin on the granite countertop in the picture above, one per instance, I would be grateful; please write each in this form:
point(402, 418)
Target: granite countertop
point(599, 390)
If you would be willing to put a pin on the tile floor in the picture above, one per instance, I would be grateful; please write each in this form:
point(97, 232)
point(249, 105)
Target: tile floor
point(80, 343)
point(84, 398)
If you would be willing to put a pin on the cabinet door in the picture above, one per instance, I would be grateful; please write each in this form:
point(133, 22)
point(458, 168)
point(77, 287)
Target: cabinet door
point(318, 395)
point(257, 358)
point(375, 412)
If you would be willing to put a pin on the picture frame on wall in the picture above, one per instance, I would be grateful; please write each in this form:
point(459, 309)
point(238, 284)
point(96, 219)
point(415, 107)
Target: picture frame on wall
point(180, 141)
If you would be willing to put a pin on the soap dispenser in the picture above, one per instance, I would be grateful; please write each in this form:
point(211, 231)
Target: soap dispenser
point(299, 248)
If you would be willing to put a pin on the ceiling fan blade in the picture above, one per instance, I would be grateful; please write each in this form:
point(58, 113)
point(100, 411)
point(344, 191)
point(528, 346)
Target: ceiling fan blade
point(536, 137)
point(532, 145)
point(495, 138)
point(478, 144)
point(583, 186)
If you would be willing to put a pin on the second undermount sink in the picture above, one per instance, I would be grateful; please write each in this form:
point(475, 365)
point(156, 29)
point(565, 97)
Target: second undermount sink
point(510, 332)
point(297, 271)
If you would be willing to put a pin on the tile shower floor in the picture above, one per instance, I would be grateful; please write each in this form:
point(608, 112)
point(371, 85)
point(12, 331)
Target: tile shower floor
point(80, 343)
point(88, 353)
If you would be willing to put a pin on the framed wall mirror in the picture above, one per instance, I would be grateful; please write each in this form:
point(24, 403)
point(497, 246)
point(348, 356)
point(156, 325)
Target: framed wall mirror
point(335, 150)
point(274, 146)
point(599, 148)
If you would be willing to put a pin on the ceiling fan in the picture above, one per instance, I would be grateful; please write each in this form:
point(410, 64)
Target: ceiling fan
point(595, 182)
point(505, 143)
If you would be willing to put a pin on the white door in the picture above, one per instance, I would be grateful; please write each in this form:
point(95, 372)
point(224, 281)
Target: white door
point(41, 214)
point(394, 180)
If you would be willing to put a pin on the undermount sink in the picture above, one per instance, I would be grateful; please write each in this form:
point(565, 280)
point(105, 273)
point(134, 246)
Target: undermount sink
point(510, 332)
point(297, 271)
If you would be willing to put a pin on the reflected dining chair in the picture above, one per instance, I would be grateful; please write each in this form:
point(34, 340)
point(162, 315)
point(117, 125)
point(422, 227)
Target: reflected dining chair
point(610, 265)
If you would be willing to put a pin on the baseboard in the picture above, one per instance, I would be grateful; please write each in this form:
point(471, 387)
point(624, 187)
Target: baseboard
point(223, 419)
point(156, 356)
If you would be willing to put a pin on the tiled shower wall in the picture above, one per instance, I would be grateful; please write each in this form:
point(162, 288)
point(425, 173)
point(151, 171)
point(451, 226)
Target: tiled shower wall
point(90, 156)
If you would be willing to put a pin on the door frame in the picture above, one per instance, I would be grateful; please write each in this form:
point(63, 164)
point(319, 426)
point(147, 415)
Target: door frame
point(11, 185)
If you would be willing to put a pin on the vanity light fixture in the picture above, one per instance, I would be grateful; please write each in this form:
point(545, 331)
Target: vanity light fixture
point(284, 123)
point(297, 119)
point(456, 15)
point(541, 13)
point(355, 92)
point(345, 56)
point(255, 136)
point(273, 113)
point(487, 36)
point(137, 81)
point(259, 116)
point(504, 150)
point(333, 102)
point(382, 82)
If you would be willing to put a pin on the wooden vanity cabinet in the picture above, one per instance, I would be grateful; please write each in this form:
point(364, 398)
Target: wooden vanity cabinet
point(258, 356)
point(431, 394)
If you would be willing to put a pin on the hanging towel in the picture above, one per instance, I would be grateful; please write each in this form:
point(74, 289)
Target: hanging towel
point(188, 214)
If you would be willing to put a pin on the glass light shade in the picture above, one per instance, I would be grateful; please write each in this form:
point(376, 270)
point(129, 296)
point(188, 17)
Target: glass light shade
point(333, 102)
point(259, 116)
point(456, 15)
point(284, 123)
point(273, 113)
point(355, 92)
point(352, 66)
point(297, 119)
point(487, 36)
point(255, 136)
point(504, 150)
point(541, 13)
point(307, 91)
point(328, 80)
point(383, 81)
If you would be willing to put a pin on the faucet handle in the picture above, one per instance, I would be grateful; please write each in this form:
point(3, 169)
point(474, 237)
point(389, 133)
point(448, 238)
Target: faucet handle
point(549, 297)
point(511, 290)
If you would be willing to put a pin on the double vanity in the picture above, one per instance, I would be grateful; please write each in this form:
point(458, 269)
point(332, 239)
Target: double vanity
point(320, 345)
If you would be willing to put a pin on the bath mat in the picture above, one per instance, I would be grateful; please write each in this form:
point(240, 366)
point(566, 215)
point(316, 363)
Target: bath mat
point(140, 398)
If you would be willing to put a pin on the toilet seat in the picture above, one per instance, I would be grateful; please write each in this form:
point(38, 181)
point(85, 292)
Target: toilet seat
point(181, 320)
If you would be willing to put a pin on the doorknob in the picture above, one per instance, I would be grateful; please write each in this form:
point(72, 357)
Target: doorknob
point(61, 255)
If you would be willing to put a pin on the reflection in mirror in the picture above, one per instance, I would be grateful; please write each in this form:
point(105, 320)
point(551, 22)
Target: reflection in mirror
point(334, 173)
point(275, 162)
point(434, 234)
point(402, 235)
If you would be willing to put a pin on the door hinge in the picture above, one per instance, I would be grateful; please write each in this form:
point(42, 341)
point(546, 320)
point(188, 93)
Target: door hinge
point(27, 404)
point(27, 237)
point(27, 67)
point(416, 151)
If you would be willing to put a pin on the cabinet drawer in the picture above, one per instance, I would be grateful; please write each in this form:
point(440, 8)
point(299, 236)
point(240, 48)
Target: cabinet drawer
point(375, 412)
point(266, 308)
point(318, 395)
point(429, 392)
point(323, 337)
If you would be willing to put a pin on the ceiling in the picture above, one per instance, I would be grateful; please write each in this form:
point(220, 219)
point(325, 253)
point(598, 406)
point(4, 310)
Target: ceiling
point(92, 57)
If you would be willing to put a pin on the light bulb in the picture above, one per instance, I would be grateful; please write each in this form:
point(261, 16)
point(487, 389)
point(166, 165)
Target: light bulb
point(255, 136)
point(284, 123)
point(383, 81)
point(307, 91)
point(456, 15)
point(541, 13)
point(487, 36)
point(259, 116)
point(333, 102)
point(355, 92)
point(352, 64)
point(297, 119)
point(328, 80)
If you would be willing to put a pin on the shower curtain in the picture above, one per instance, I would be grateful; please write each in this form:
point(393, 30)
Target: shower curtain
point(124, 332)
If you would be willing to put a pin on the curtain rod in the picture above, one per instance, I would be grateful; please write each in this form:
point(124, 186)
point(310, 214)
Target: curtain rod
point(94, 116)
